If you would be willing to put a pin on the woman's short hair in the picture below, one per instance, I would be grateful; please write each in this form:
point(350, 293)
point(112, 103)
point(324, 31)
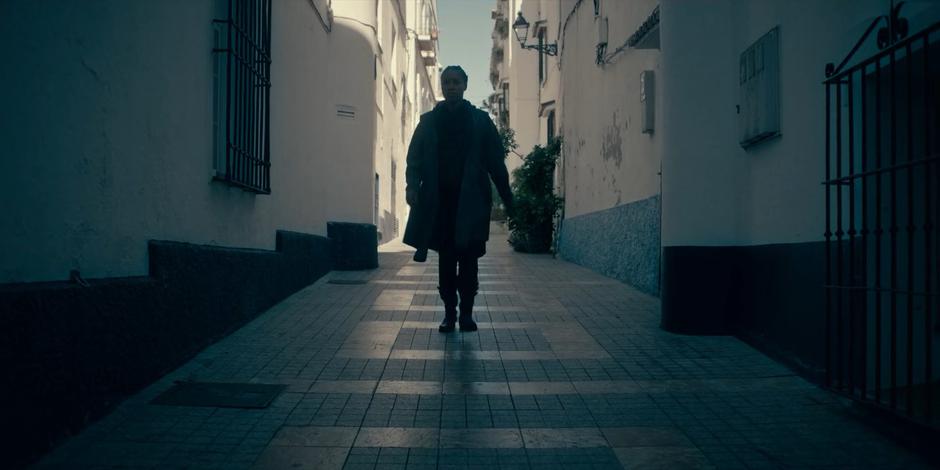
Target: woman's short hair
point(456, 68)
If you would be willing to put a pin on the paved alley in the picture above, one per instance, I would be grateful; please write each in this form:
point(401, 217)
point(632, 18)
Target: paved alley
point(569, 369)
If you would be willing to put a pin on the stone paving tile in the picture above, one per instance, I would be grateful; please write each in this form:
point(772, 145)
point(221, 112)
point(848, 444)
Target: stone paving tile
point(664, 458)
point(568, 370)
point(552, 438)
point(313, 458)
point(315, 436)
point(480, 438)
point(343, 386)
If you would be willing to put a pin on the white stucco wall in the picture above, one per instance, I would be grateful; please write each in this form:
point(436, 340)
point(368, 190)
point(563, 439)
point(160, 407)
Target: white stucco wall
point(390, 152)
point(785, 200)
point(336, 171)
point(702, 166)
point(108, 135)
point(385, 24)
point(420, 87)
point(714, 192)
point(548, 11)
point(523, 87)
point(608, 160)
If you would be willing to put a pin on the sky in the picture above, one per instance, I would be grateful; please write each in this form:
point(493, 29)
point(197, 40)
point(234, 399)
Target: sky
point(465, 27)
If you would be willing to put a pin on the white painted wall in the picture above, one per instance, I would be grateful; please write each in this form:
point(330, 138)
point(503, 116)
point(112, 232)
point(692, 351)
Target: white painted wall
point(608, 160)
point(422, 87)
point(390, 154)
point(312, 129)
point(386, 23)
point(523, 86)
point(703, 169)
point(714, 192)
point(107, 132)
point(548, 12)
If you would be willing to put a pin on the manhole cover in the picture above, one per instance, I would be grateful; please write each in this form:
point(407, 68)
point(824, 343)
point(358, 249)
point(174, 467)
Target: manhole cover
point(348, 282)
point(222, 395)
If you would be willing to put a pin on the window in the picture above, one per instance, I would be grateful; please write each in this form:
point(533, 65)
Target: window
point(758, 78)
point(242, 89)
point(375, 196)
point(394, 203)
point(394, 59)
point(542, 60)
point(504, 112)
point(550, 126)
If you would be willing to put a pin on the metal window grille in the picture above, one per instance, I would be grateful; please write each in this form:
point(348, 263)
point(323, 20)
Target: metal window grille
point(394, 203)
point(504, 111)
point(542, 56)
point(375, 196)
point(882, 208)
point(550, 126)
point(243, 95)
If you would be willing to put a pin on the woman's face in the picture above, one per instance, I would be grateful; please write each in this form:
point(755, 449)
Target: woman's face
point(453, 85)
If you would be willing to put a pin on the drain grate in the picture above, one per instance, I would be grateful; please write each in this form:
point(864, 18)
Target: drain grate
point(347, 282)
point(221, 395)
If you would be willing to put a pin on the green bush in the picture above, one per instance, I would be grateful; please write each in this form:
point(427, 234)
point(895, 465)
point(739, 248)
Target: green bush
point(536, 204)
point(507, 138)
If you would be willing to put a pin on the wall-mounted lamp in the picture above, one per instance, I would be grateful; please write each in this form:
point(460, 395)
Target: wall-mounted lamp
point(521, 28)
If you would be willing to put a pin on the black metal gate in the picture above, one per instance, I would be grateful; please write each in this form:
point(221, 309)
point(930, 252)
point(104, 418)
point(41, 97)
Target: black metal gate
point(882, 209)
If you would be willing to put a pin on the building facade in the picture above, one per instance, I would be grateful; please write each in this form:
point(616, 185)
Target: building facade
point(540, 96)
point(732, 158)
point(135, 148)
point(153, 147)
point(524, 80)
point(404, 36)
point(610, 170)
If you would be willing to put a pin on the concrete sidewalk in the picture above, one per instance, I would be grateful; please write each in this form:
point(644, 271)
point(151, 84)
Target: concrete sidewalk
point(568, 370)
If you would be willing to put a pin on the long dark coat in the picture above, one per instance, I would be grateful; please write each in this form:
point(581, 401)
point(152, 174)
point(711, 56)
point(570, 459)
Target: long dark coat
point(484, 160)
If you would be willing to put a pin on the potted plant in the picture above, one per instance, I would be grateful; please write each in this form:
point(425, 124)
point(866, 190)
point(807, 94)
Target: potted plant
point(536, 204)
point(507, 138)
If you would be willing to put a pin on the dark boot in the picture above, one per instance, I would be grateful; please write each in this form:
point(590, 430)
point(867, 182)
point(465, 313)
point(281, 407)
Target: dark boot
point(466, 313)
point(421, 255)
point(450, 319)
point(450, 310)
point(467, 285)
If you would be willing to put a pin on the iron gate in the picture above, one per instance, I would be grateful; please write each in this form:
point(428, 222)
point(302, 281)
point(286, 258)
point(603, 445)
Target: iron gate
point(882, 207)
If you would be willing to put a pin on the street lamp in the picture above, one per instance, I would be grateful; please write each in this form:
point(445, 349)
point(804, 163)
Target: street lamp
point(521, 28)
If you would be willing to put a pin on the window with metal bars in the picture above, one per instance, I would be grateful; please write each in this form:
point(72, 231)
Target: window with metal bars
point(242, 106)
point(542, 59)
point(504, 106)
point(550, 127)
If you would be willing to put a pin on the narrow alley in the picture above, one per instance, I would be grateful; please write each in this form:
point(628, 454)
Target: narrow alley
point(455, 234)
point(568, 370)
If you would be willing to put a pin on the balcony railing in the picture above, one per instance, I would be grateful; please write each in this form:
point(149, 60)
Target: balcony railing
point(427, 28)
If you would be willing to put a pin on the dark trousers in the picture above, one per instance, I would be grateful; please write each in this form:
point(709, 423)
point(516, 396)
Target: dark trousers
point(463, 281)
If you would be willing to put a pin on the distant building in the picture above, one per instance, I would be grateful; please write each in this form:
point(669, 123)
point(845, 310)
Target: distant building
point(404, 34)
point(524, 81)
